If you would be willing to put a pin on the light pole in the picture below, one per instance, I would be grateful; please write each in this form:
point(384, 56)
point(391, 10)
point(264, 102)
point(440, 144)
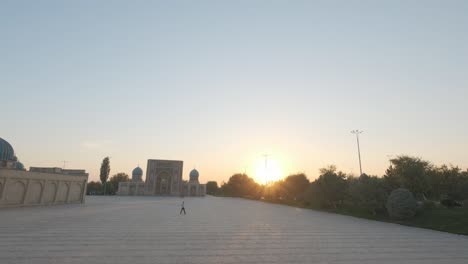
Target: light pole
point(266, 167)
point(357, 132)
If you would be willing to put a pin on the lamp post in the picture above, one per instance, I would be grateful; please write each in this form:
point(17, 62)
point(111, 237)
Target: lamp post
point(357, 132)
point(266, 167)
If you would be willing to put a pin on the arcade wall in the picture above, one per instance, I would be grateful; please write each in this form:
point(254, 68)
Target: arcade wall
point(24, 188)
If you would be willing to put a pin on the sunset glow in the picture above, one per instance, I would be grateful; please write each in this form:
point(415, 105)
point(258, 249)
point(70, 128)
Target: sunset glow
point(269, 172)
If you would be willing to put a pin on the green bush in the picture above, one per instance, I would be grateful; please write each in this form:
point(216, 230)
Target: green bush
point(401, 204)
point(367, 193)
point(427, 205)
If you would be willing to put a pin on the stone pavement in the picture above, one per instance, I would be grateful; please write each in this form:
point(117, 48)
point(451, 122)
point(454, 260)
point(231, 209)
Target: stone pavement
point(215, 230)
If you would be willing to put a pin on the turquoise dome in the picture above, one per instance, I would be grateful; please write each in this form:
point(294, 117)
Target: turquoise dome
point(194, 175)
point(137, 173)
point(19, 166)
point(6, 150)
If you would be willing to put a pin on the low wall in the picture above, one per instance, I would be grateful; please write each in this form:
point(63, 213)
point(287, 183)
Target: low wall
point(24, 188)
point(131, 188)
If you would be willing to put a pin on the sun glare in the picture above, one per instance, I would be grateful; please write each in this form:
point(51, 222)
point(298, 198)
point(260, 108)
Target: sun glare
point(268, 172)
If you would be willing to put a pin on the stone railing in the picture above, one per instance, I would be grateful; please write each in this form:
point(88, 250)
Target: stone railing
point(23, 188)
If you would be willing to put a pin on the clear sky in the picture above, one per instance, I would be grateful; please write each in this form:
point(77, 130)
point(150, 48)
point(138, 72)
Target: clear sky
point(219, 83)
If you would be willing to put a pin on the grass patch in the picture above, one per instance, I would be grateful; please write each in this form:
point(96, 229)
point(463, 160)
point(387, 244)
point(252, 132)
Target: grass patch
point(453, 220)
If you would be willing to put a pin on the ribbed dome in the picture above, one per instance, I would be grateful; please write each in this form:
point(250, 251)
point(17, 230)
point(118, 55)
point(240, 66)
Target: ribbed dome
point(6, 150)
point(19, 166)
point(194, 175)
point(137, 173)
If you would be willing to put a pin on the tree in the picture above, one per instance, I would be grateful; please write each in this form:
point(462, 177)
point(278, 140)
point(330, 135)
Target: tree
point(295, 186)
point(115, 179)
point(211, 188)
point(410, 173)
point(448, 182)
point(105, 169)
point(93, 188)
point(241, 185)
point(367, 192)
point(109, 189)
point(329, 189)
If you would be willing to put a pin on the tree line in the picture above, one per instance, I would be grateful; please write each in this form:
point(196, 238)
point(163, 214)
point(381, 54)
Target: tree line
point(106, 186)
point(111, 186)
point(428, 185)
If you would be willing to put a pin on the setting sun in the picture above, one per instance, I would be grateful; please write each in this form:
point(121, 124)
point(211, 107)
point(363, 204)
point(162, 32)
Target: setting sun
point(268, 172)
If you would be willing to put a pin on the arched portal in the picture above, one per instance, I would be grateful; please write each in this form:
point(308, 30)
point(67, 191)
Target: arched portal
point(163, 183)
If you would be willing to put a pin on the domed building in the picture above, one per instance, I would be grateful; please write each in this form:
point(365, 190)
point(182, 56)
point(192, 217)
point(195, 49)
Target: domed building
point(6, 150)
point(137, 174)
point(39, 185)
point(163, 178)
point(194, 175)
point(134, 187)
point(8, 160)
point(20, 166)
point(193, 186)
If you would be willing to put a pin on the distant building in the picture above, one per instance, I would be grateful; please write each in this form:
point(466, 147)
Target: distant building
point(163, 178)
point(56, 170)
point(137, 174)
point(193, 186)
point(8, 160)
point(38, 186)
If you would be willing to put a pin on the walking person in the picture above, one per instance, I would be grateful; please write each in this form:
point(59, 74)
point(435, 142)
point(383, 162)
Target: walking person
point(182, 208)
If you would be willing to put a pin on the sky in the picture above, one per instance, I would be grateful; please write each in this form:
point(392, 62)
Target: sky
point(218, 84)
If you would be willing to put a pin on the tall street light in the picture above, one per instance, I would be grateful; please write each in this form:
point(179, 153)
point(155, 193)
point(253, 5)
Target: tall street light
point(357, 132)
point(266, 167)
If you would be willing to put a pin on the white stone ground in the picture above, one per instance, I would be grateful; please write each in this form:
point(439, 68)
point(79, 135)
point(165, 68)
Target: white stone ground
point(215, 230)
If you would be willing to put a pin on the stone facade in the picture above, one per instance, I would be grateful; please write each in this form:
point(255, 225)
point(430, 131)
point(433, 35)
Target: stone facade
point(23, 188)
point(163, 178)
point(131, 188)
point(194, 189)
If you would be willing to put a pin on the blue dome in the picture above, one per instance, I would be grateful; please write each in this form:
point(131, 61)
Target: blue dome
point(194, 175)
point(6, 150)
point(137, 173)
point(19, 166)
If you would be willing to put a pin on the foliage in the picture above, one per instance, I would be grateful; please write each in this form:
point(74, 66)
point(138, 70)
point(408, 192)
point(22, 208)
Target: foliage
point(401, 204)
point(367, 192)
point(274, 192)
point(448, 182)
point(109, 189)
point(371, 197)
point(105, 170)
point(211, 188)
point(294, 186)
point(241, 185)
point(450, 203)
point(329, 188)
point(428, 204)
point(115, 179)
point(453, 220)
point(290, 190)
point(104, 173)
point(94, 188)
point(410, 173)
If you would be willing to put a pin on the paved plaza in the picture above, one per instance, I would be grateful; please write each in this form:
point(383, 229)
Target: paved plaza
point(137, 230)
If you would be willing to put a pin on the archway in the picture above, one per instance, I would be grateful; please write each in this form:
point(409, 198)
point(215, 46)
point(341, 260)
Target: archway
point(163, 183)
